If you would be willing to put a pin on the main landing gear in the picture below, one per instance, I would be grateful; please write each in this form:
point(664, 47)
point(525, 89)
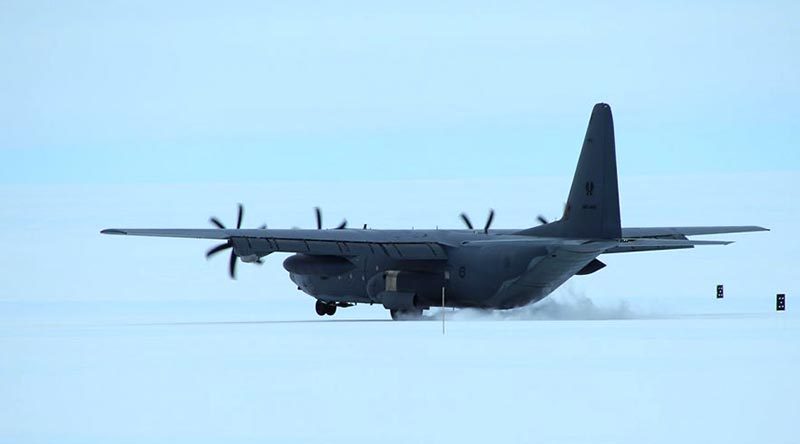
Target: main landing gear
point(325, 308)
point(406, 315)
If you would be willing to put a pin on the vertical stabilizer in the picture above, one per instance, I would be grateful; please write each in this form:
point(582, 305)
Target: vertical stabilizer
point(592, 209)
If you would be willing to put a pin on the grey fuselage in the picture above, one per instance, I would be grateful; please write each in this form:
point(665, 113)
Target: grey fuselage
point(471, 275)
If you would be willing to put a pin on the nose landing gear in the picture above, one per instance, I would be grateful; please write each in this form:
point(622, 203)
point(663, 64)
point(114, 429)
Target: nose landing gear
point(325, 308)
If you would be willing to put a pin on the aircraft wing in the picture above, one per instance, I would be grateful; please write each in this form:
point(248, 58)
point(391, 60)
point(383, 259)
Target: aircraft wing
point(177, 232)
point(634, 244)
point(344, 242)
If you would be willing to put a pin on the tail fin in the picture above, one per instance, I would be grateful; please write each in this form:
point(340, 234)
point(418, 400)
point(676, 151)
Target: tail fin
point(592, 209)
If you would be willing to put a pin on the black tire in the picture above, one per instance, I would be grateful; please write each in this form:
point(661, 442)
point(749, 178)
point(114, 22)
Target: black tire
point(321, 308)
point(330, 310)
point(405, 315)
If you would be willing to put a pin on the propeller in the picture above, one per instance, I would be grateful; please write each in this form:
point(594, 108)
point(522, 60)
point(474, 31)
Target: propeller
point(489, 221)
point(488, 224)
point(466, 220)
point(229, 244)
point(318, 213)
point(542, 220)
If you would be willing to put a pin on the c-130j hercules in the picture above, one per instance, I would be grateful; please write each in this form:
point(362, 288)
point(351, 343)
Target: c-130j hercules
point(408, 271)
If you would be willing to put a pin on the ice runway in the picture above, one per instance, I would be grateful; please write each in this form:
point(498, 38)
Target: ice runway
point(209, 376)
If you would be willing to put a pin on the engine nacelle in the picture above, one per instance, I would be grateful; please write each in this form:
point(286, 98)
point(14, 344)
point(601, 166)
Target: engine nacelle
point(404, 290)
point(311, 265)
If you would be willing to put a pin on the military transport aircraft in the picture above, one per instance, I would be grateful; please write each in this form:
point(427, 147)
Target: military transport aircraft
point(408, 271)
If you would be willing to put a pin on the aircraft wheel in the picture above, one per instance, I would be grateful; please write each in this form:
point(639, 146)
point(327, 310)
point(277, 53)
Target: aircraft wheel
point(321, 308)
point(405, 315)
point(330, 310)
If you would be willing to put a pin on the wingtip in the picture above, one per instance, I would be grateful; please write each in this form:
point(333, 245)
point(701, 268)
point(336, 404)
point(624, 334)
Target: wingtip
point(113, 231)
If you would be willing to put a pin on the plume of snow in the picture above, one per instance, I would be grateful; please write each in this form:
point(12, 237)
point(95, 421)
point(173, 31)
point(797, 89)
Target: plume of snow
point(567, 305)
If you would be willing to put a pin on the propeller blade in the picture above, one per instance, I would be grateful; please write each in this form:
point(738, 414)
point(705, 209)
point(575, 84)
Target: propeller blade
point(239, 218)
point(342, 225)
point(232, 265)
point(217, 249)
point(318, 212)
point(488, 222)
point(466, 220)
point(229, 244)
point(542, 220)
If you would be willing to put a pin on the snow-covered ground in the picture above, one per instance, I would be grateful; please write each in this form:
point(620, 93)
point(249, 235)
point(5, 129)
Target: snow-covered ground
point(130, 340)
point(235, 371)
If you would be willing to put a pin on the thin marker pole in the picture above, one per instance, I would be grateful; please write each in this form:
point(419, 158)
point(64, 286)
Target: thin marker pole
point(442, 310)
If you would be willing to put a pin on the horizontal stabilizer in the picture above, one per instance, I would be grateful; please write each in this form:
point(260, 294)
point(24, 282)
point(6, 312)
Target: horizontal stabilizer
point(686, 231)
point(669, 242)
